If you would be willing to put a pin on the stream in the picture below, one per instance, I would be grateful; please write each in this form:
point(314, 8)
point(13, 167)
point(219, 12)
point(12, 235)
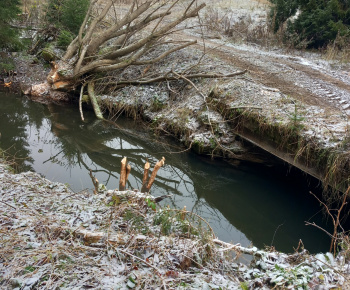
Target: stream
point(246, 204)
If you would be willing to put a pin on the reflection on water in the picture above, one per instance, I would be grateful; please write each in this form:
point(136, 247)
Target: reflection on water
point(244, 205)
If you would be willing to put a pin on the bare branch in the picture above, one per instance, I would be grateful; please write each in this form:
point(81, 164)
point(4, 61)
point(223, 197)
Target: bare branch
point(114, 30)
point(80, 60)
point(82, 27)
point(93, 24)
point(322, 229)
point(96, 107)
point(74, 45)
point(325, 206)
point(155, 35)
point(169, 9)
point(165, 77)
point(80, 102)
point(165, 54)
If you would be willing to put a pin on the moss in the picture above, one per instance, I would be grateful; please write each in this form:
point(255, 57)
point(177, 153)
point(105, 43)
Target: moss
point(198, 146)
point(48, 54)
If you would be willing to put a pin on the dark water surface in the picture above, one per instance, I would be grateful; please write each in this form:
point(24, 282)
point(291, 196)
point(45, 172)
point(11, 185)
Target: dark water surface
point(247, 204)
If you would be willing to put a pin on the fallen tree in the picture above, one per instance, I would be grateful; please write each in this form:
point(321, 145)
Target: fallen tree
point(114, 36)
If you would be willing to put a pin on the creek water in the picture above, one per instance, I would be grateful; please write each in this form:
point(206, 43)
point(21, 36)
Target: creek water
point(246, 204)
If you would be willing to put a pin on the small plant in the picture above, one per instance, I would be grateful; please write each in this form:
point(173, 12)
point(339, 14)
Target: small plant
point(150, 203)
point(213, 143)
point(29, 269)
point(296, 119)
point(163, 218)
point(157, 103)
point(6, 65)
point(244, 286)
point(180, 222)
point(183, 115)
point(291, 277)
point(136, 221)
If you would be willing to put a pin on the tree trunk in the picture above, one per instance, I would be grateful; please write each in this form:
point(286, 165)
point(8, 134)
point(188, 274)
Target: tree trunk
point(145, 177)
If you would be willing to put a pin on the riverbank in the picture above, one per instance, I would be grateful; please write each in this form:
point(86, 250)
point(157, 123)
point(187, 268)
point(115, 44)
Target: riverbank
point(294, 105)
point(58, 238)
point(228, 117)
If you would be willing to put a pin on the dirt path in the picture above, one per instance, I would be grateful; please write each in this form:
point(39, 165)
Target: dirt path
point(303, 76)
point(311, 81)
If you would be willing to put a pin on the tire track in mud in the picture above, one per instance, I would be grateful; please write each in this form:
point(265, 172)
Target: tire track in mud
point(307, 84)
point(321, 96)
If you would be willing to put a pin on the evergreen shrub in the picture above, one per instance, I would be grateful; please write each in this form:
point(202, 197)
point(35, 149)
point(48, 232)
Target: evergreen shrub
point(67, 15)
point(318, 22)
point(9, 36)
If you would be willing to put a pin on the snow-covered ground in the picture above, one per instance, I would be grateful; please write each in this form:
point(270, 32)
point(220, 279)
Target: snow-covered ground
point(54, 238)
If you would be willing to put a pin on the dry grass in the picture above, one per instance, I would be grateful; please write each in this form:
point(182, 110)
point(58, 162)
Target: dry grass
point(239, 26)
point(338, 50)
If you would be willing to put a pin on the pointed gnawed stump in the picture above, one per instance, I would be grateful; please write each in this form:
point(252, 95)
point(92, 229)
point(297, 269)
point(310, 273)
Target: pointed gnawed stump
point(159, 164)
point(124, 174)
point(145, 176)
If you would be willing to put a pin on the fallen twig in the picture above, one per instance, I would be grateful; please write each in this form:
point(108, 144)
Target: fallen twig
point(176, 76)
point(143, 261)
point(8, 204)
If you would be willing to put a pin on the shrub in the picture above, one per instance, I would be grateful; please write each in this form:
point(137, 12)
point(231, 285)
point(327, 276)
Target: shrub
point(67, 14)
point(281, 11)
point(54, 11)
point(73, 14)
point(64, 38)
point(319, 21)
point(6, 65)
